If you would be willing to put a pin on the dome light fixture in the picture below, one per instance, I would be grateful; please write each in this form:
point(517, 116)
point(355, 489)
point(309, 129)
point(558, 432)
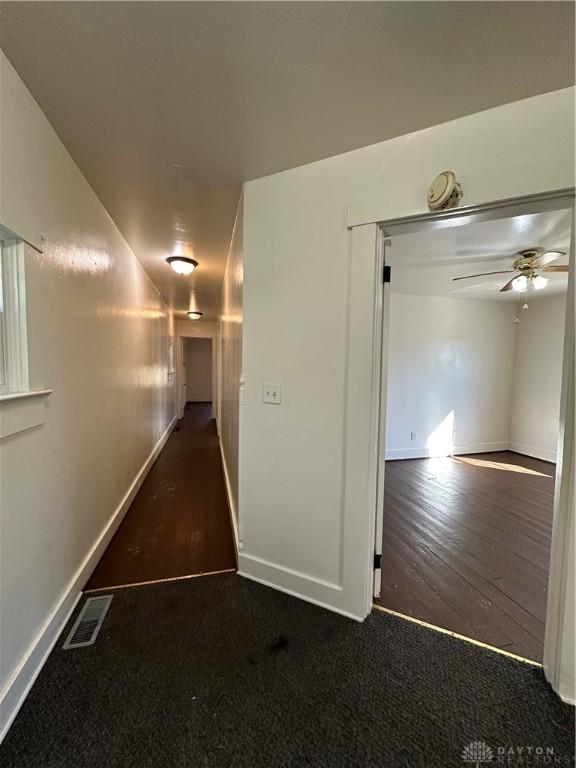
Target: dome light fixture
point(194, 315)
point(182, 265)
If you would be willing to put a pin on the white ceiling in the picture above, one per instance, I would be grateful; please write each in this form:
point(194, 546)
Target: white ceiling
point(425, 263)
point(167, 107)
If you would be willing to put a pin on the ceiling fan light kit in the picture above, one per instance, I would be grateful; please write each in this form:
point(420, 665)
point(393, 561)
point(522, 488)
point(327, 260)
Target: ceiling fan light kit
point(539, 282)
point(528, 265)
point(520, 284)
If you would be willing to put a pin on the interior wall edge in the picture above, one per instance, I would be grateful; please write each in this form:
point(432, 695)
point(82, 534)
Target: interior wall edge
point(230, 352)
point(17, 688)
point(233, 512)
point(278, 578)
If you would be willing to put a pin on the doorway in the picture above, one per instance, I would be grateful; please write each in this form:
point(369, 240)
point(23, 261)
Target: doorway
point(464, 511)
point(201, 366)
point(197, 370)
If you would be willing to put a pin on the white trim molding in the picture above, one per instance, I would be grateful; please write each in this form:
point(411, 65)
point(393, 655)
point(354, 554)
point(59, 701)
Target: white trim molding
point(241, 407)
point(14, 325)
point(534, 451)
point(231, 507)
point(392, 454)
point(21, 413)
point(560, 638)
point(292, 582)
point(21, 681)
point(25, 395)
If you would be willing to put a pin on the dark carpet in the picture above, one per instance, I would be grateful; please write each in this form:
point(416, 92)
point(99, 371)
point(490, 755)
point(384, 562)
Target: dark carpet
point(218, 671)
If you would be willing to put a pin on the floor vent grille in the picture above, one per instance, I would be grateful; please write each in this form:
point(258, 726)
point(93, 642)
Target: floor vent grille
point(87, 625)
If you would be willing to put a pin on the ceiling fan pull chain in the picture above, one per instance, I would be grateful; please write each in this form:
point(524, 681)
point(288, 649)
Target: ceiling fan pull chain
point(517, 319)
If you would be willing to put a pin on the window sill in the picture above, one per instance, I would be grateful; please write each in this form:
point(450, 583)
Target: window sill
point(22, 411)
point(10, 396)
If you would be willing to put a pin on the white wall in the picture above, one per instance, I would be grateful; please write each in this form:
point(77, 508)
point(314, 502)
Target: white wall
point(305, 512)
point(231, 360)
point(450, 375)
point(464, 380)
point(535, 407)
point(97, 332)
point(198, 362)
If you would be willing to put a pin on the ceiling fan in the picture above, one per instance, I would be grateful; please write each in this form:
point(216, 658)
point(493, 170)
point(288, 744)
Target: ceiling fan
point(529, 265)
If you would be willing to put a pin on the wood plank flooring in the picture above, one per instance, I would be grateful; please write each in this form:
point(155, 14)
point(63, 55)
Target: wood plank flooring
point(179, 523)
point(467, 546)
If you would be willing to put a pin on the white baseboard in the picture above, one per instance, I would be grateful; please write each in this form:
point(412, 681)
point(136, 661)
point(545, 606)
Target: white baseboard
point(458, 450)
point(566, 692)
point(536, 453)
point(231, 506)
point(316, 591)
point(17, 688)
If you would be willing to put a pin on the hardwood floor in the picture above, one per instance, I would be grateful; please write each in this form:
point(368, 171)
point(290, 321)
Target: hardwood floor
point(467, 546)
point(179, 523)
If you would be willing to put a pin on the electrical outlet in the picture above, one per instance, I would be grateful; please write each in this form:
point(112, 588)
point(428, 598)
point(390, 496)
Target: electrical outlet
point(412, 435)
point(272, 393)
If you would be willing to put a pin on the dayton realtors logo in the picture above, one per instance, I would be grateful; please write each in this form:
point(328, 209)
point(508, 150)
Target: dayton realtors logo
point(477, 753)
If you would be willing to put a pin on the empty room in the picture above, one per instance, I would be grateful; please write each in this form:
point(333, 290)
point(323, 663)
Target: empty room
point(287, 412)
point(474, 368)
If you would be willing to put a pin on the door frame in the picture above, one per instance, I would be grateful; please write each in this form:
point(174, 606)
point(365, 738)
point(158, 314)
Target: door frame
point(198, 333)
point(556, 644)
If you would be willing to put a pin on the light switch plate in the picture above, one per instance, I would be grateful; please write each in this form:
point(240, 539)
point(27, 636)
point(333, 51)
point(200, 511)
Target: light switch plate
point(272, 393)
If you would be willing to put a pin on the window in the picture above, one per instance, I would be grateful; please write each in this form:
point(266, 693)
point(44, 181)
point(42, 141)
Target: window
point(13, 335)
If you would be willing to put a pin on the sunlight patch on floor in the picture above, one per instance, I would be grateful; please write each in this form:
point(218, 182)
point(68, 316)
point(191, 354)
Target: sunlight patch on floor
point(497, 465)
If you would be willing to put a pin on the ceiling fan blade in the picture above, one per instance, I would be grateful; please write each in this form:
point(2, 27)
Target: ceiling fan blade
point(483, 274)
point(556, 268)
point(508, 286)
point(546, 258)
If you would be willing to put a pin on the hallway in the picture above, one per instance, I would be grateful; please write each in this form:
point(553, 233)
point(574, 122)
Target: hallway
point(234, 285)
point(179, 523)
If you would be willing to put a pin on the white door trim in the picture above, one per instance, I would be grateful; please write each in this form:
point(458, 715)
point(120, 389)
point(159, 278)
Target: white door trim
point(559, 636)
point(381, 340)
point(198, 333)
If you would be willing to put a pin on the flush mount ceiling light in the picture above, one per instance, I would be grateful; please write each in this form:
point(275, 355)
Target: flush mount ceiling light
point(181, 265)
point(194, 315)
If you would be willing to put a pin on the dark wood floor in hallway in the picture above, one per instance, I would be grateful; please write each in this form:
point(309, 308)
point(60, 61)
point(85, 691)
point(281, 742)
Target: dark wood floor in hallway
point(179, 522)
point(467, 546)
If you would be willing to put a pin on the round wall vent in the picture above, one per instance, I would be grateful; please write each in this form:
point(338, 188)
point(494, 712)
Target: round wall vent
point(444, 192)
